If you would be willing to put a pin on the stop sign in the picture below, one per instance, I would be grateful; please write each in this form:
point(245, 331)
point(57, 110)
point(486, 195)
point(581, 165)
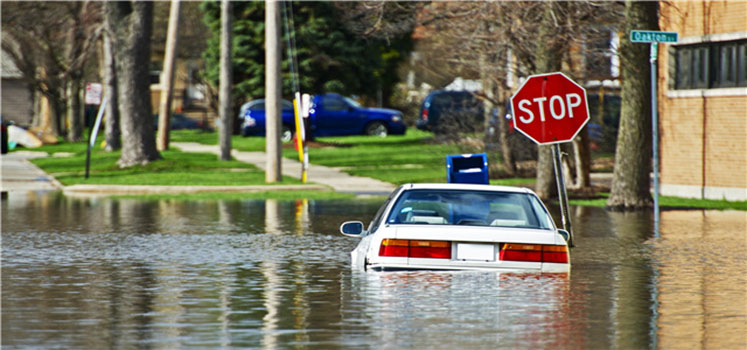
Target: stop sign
point(550, 108)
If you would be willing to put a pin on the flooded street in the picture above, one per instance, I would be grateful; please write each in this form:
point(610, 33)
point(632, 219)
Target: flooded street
point(126, 273)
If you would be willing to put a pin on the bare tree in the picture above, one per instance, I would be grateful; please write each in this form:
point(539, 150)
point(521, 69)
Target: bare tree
point(500, 42)
point(50, 43)
point(113, 133)
point(380, 19)
point(130, 25)
point(631, 181)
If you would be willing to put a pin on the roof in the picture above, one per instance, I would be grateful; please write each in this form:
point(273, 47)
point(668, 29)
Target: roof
point(472, 187)
point(9, 69)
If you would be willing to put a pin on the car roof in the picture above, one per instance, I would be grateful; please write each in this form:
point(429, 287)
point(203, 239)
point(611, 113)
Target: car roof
point(451, 92)
point(262, 100)
point(469, 187)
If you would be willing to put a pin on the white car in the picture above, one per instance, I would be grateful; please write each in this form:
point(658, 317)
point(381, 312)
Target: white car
point(460, 227)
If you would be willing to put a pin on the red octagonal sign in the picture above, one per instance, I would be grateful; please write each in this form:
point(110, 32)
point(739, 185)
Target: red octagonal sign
point(550, 108)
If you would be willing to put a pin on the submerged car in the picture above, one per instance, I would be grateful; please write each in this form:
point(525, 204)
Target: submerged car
point(460, 227)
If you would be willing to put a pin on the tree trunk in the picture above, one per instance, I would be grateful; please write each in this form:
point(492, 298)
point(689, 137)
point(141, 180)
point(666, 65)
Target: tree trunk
point(73, 86)
point(509, 166)
point(631, 180)
point(549, 59)
point(57, 104)
point(130, 24)
point(167, 85)
point(74, 116)
point(225, 126)
point(582, 157)
point(112, 131)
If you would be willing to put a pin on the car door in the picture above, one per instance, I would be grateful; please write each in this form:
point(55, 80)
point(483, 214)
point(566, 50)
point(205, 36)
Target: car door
point(335, 117)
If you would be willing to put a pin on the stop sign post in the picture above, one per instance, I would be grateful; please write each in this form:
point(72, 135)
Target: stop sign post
point(551, 109)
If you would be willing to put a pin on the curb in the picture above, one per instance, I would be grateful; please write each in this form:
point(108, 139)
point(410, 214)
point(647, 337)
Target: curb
point(109, 190)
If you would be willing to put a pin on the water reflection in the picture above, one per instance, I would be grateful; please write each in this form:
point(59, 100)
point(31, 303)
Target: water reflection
point(103, 273)
point(701, 258)
point(461, 310)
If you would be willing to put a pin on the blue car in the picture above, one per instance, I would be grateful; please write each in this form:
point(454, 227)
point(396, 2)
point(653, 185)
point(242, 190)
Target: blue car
point(329, 115)
point(252, 115)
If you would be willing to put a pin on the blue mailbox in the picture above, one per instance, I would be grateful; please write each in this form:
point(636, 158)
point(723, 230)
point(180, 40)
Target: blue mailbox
point(467, 168)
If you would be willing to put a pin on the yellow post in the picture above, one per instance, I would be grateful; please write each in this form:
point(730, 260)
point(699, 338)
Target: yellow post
point(300, 135)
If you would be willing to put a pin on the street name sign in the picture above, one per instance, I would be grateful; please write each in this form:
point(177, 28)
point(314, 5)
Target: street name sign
point(649, 36)
point(550, 108)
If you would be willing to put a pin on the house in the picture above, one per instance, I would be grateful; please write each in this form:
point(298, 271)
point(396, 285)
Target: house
point(702, 82)
point(16, 102)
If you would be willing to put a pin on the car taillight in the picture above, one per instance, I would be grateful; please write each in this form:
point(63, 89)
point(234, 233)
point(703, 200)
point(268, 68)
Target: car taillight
point(424, 116)
point(534, 253)
point(415, 249)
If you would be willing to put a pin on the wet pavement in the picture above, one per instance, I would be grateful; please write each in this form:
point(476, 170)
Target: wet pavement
point(19, 174)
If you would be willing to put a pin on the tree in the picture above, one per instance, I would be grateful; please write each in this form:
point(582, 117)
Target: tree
point(550, 50)
point(631, 180)
point(112, 131)
point(499, 42)
point(331, 57)
point(129, 25)
point(50, 42)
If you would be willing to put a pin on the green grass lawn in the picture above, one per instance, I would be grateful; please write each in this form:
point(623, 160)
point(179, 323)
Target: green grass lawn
point(176, 168)
point(249, 144)
point(279, 195)
point(394, 159)
point(667, 202)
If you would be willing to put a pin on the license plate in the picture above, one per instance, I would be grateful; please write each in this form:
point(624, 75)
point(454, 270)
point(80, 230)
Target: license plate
point(477, 252)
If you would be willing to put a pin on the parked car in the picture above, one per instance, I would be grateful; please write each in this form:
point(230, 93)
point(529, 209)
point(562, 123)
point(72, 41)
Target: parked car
point(460, 227)
point(445, 111)
point(180, 121)
point(252, 115)
point(329, 115)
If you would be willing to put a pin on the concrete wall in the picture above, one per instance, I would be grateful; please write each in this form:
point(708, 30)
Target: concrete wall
point(703, 132)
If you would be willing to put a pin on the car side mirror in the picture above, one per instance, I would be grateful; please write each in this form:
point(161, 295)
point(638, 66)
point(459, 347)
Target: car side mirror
point(352, 228)
point(567, 236)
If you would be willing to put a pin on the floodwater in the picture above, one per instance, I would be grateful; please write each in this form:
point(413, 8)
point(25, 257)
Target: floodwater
point(125, 273)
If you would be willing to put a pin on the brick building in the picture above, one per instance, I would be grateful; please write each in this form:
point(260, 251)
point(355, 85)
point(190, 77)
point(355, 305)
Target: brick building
point(703, 100)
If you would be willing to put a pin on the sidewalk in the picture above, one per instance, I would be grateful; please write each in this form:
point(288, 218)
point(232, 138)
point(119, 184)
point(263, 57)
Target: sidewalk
point(18, 174)
point(336, 179)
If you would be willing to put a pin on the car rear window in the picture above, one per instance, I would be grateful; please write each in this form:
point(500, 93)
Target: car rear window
point(474, 208)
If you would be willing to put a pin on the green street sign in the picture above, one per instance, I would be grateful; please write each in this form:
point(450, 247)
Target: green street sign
point(649, 36)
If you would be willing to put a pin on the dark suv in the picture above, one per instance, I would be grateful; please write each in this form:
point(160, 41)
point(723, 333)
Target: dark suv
point(450, 111)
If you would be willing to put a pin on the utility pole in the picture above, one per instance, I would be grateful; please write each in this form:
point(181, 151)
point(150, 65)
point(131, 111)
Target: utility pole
point(272, 90)
point(225, 125)
point(167, 85)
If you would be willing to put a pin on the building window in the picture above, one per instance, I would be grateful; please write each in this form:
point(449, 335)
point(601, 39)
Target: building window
point(711, 65)
point(600, 55)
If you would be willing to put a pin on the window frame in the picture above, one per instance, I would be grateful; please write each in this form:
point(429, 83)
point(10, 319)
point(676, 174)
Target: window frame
point(711, 65)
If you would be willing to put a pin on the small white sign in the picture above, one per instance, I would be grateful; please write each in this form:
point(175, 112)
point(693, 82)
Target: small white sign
point(478, 252)
point(93, 93)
